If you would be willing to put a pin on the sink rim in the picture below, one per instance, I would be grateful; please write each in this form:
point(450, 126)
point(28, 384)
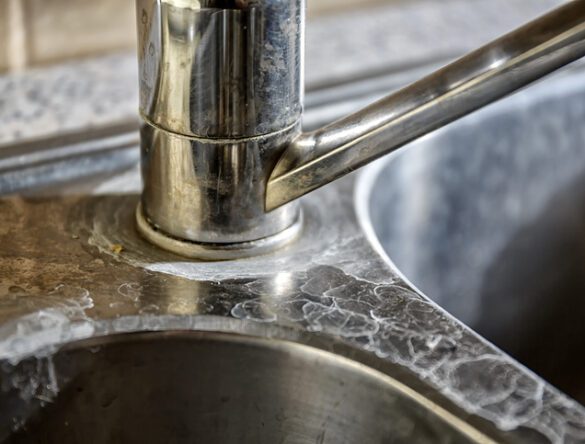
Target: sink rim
point(330, 353)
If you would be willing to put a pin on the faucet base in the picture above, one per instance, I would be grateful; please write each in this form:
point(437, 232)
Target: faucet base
point(216, 251)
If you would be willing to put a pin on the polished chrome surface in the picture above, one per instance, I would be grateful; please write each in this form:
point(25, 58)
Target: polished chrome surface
point(488, 219)
point(212, 191)
point(220, 68)
point(221, 388)
point(216, 251)
point(220, 88)
point(219, 75)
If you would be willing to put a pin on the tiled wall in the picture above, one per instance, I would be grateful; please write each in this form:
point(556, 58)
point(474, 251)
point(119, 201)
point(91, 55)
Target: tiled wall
point(3, 34)
point(43, 31)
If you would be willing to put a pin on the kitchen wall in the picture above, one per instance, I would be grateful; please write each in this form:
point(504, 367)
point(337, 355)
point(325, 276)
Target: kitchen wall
point(36, 32)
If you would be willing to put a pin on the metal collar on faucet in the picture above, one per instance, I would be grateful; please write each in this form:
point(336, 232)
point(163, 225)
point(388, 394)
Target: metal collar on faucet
point(221, 81)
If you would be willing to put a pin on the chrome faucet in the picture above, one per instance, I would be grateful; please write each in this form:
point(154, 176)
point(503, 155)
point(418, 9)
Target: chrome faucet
point(221, 91)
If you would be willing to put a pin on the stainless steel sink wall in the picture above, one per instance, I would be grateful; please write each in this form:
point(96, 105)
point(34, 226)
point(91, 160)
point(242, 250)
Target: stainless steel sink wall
point(487, 218)
point(178, 387)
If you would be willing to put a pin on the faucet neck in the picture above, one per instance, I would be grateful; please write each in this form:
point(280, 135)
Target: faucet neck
point(221, 100)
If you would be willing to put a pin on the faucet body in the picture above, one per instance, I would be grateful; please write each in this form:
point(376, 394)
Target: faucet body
point(221, 99)
point(221, 82)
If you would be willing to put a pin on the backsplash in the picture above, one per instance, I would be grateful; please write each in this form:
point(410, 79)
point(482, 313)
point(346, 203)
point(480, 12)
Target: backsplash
point(34, 32)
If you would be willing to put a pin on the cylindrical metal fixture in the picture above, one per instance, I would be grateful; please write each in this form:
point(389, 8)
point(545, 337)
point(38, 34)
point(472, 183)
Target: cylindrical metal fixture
point(221, 99)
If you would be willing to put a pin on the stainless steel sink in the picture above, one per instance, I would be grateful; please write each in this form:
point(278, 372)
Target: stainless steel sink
point(217, 388)
point(487, 218)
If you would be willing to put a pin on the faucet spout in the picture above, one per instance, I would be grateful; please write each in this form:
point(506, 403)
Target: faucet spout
point(476, 80)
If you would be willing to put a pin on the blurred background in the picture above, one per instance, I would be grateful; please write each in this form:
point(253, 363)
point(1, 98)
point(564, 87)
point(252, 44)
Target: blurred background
point(34, 32)
point(66, 65)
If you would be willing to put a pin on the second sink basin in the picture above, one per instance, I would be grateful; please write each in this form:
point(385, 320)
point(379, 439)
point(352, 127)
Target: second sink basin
point(487, 218)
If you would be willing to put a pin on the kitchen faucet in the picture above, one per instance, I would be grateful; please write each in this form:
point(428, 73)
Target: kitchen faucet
point(224, 159)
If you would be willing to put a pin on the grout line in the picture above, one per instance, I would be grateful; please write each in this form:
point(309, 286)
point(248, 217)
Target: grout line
point(17, 53)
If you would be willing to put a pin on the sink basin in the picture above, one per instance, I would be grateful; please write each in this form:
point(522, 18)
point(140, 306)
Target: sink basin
point(211, 388)
point(487, 218)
